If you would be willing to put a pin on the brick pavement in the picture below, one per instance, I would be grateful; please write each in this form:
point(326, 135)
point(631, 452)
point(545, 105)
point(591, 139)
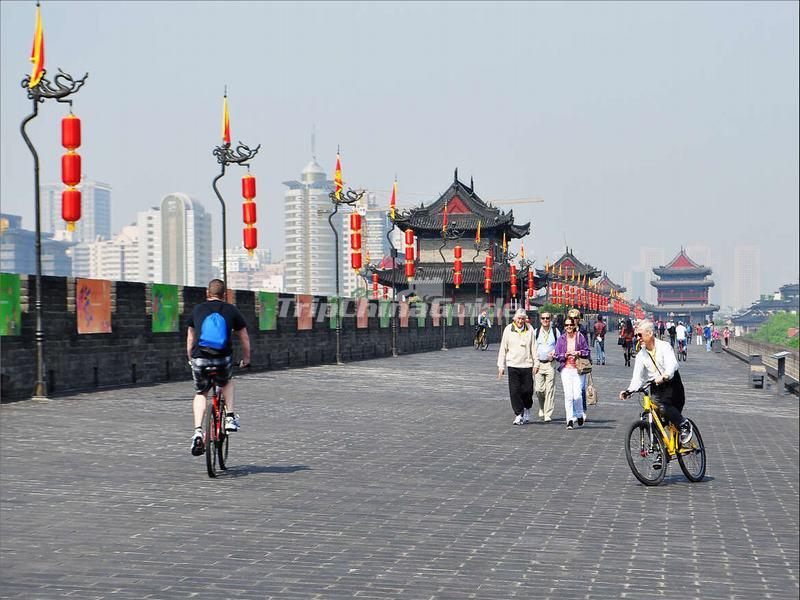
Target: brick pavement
point(396, 478)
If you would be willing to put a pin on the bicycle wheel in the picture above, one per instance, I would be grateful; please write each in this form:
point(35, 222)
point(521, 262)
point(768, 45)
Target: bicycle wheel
point(212, 452)
point(642, 450)
point(484, 343)
point(692, 459)
point(222, 442)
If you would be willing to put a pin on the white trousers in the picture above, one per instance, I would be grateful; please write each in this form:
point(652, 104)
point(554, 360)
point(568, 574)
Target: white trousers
point(573, 384)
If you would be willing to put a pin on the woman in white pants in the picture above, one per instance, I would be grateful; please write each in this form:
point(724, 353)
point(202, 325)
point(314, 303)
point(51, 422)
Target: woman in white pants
point(569, 348)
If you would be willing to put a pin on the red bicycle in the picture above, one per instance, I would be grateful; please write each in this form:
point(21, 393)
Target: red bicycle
point(215, 438)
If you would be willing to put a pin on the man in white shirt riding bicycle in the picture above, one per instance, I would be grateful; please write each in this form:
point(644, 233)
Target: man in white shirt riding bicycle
point(656, 362)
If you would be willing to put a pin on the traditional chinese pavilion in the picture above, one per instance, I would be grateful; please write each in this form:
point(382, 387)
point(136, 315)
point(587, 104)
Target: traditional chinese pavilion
point(605, 285)
point(464, 211)
point(682, 286)
point(567, 270)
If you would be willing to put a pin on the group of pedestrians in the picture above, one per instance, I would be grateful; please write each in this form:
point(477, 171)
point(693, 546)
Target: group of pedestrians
point(533, 356)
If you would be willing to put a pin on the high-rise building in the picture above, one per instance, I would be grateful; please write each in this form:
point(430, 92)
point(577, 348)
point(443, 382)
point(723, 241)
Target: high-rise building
point(148, 224)
point(18, 250)
point(746, 276)
point(185, 241)
point(636, 283)
point(650, 258)
point(310, 262)
point(239, 260)
point(116, 259)
point(95, 210)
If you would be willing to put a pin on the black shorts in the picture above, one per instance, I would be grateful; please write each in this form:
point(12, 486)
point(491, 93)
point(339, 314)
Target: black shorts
point(200, 366)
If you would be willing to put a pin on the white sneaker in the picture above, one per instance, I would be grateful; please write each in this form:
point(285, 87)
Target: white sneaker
point(517, 420)
point(232, 423)
point(526, 416)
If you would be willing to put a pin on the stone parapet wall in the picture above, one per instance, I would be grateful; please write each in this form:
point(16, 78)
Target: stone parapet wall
point(133, 354)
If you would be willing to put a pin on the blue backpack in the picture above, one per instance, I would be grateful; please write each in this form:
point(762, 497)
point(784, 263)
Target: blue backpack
point(214, 331)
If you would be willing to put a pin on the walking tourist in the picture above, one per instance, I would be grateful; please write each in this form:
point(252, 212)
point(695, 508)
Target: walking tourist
point(600, 340)
point(516, 354)
point(698, 334)
point(545, 339)
point(576, 316)
point(214, 319)
point(707, 336)
point(569, 347)
point(626, 337)
point(726, 335)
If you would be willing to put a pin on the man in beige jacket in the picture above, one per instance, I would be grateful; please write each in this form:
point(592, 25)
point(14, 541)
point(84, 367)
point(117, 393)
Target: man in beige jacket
point(516, 354)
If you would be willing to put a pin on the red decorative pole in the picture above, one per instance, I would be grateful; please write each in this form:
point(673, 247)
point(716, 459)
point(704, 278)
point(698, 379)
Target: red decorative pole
point(355, 242)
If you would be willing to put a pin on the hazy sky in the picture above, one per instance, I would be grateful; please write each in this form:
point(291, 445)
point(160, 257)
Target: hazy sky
point(640, 124)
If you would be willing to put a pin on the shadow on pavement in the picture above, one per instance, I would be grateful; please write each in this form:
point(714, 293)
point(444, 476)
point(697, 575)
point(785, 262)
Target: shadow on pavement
point(243, 470)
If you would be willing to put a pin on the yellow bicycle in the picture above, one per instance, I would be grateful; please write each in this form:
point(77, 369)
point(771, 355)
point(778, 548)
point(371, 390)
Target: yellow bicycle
point(649, 446)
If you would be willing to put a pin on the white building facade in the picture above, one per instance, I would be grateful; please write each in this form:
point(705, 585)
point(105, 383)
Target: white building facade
point(148, 224)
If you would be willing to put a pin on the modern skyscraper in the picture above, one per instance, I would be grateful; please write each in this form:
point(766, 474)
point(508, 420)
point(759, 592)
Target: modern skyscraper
point(650, 258)
point(746, 276)
point(95, 210)
point(185, 241)
point(18, 250)
point(309, 251)
point(116, 259)
point(636, 283)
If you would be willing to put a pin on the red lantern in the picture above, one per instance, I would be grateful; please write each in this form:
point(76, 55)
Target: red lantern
point(248, 186)
point(531, 283)
point(457, 276)
point(409, 254)
point(250, 238)
point(385, 293)
point(513, 278)
point(487, 274)
point(71, 206)
point(375, 285)
point(409, 271)
point(355, 241)
point(71, 169)
point(71, 132)
point(249, 213)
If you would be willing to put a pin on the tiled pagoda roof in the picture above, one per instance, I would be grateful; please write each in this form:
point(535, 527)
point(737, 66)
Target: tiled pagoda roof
point(464, 210)
point(681, 264)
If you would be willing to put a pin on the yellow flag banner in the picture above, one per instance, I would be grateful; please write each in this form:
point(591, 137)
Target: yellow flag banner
point(226, 121)
point(337, 177)
point(478, 233)
point(37, 51)
point(393, 201)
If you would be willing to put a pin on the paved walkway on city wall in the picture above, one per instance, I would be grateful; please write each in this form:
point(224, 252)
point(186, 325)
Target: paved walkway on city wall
point(396, 478)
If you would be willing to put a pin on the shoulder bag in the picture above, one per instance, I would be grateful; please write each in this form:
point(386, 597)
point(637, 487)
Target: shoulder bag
point(591, 392)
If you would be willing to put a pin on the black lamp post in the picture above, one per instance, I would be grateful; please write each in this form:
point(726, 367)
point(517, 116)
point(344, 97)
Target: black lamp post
point(349, 197)
point(482, 246)
point(393, 252)
point(525, 266)
point(447, 235)
point(63, 85)
point(226, 156)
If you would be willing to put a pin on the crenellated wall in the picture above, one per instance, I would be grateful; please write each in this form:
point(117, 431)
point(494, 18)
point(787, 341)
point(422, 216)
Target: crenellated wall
point(133, 354)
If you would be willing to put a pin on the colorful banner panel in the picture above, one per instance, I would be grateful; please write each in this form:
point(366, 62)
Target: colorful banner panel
point(267, 311)
point(93, 305)
point(10, 310)
point(404, 314)
point(435, 308)
point(334, 311)
point(462, 314)
point(305, 315)
point(362, 313)
point(385, 313)
point(420, 308)
point(449, 308)
point(165, 308)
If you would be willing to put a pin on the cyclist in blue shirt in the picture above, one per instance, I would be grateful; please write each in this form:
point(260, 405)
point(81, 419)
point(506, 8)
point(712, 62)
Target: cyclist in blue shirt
point(211, 347)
